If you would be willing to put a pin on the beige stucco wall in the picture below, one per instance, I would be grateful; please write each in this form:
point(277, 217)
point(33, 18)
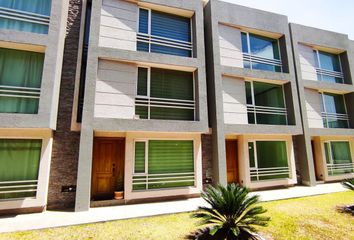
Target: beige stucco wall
point(313, 108)
point(307, 62)
point(230, 46)
point(234, 100)
point(118, 26)
point(115, 90)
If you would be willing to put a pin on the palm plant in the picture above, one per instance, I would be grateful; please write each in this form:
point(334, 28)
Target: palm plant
point(349, 183)
point(233, 213)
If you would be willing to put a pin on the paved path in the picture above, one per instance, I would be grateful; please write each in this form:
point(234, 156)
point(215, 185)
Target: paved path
point(58, 219)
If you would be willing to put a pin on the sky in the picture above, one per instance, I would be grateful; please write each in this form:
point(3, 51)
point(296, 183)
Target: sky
point(333, 15)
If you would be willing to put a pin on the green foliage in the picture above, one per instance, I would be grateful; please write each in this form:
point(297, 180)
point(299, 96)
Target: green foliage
point(349, 183)
point(233, 213)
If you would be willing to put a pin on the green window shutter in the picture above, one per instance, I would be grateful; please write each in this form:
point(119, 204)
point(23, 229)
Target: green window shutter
point(139, 157)
point(171, 84)
point(19, 161)
point(20, 69)
point(174, 158)
point(272, 154)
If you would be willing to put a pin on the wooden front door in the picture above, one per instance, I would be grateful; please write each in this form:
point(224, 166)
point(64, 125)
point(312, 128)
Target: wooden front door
point(231, 161)
point(108, 167)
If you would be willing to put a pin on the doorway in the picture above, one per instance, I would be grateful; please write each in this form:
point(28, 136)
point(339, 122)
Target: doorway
point(107, 168)
point(232, 161)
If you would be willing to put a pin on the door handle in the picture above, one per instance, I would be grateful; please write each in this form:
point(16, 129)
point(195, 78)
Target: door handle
point(114, 169)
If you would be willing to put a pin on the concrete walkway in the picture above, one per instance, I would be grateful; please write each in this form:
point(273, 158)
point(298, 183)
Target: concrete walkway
point(50, 219)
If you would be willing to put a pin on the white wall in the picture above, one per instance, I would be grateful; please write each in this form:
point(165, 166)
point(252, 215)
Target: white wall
point(115, 90)
point(307, 62)
point(234, 100)
point(118, 24)
point(230, 46)
point(313, 108)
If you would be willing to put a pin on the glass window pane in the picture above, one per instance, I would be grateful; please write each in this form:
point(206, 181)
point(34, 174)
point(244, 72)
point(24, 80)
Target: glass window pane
point(42, 7)
point(341, 152)
point(171, 157)
point(329, 61)
point(268, 95)
point(251, 118)
point(251, 154)
point(142, 46)
point(271, 119)
point(328, 153)
point(20, 69)
point(171, 84)
point(334, 123)
point(171, 113)
point(265, 67)
point(334, 103)
point(248, 93)
point(142, 81)
point(142, 112)
point(139, 166)
point(272, 154)
point(170, 26)
point(170, 50)
point(143, 21)
point(244, 42)
point(19, 161)
point(264, 47)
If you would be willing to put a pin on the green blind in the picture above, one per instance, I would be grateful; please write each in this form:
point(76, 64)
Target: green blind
point(341, 152)
point(19, 161)
point(139, 157)
point(142, 81)
point(272, 154)
point(171, 84)
point(172, 156)
point(20, 69)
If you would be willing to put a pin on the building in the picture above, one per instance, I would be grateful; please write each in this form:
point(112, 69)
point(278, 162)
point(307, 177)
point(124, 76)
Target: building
point(31, 52)
point(145, 103)
point(149, 100)
point(252, 93)
point(324, 62)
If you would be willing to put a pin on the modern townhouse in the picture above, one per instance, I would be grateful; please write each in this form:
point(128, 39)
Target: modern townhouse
point(144, 102)
point(31, 48)
point(253, 105)
point(324, 64)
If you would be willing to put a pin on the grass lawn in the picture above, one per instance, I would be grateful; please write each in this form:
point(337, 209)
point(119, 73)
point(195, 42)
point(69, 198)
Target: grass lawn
point(304, 218)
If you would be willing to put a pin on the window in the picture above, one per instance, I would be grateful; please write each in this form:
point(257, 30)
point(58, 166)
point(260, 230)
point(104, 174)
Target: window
point(165, 94)
point(334, 113)
point(164, 33)
point(20, 81)
point(19, 161)
point(265, 104)
point(24, 15)
point(268, 160)
point(260, 53)
point(328, 67)
point(338, 157)
point(163, 164)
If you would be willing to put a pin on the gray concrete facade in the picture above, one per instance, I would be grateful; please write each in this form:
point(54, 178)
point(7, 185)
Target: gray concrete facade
point(309, 38)
point(219, 14)
point(120, 55)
